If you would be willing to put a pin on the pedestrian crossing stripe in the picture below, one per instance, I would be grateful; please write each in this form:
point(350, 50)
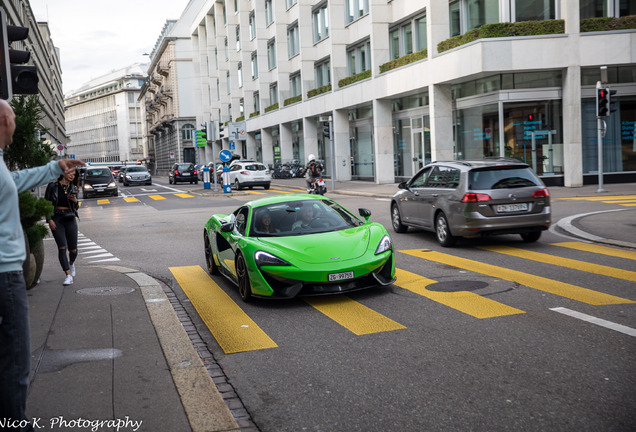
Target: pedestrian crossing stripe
point(607, 199)
point(232, 328)
point(564, 262)
point(102, 201)
point(562, 289)
point(131, 199)
point(157, 197)
point(463, 301)
point(353, 316)
point(184, 195)
point(603, 250)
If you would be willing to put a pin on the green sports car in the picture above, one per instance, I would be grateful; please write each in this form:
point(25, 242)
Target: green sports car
point(297, 245)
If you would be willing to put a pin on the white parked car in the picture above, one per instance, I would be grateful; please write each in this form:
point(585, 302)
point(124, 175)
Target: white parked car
point(249, 174)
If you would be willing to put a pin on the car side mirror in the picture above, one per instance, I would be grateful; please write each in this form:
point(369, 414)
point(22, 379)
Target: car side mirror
point(402, 186)
point(365, 213)
point(227, 227)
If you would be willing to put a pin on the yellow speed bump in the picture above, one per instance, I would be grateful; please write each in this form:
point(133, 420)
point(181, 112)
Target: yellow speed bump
point(232, 328)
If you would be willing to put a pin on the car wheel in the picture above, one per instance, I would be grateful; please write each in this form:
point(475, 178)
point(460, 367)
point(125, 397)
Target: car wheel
point(442, 231)
point(126, 184)
point(169, 180)
point(196, 182)
point(266, 187)
point(245, 290)
point(531, 236)
point(237, 185)
point(85, 195)
point(396, 220)
point(116, 193)
point(209, 256)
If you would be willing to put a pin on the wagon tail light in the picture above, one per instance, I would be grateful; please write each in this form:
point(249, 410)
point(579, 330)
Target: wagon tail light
point(195, 172)
point(475, 197)
point(543, 193)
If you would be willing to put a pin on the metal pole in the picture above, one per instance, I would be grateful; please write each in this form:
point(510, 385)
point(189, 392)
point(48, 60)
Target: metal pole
point(599, 137)
point(333, 156)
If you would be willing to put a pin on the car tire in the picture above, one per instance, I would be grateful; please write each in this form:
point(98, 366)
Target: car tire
point(213, 269)
point(530, 237)
point(396, 220)
point(442, 231)
point(196, 182)
point(245, 289)
point(237, 185)
point(116, 193)
point(169, 180)
point(85, 195)
point(126, 184)
point(266, 187)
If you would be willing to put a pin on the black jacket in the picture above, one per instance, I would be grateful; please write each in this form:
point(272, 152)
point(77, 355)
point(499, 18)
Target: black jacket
point(51, 195)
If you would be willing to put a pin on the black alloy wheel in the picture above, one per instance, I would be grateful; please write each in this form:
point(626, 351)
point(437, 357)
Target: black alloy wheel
point(209, 256)
point(245, 290)
point(530, 237)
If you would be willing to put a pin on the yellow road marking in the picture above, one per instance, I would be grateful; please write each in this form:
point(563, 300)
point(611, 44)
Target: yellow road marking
point(280, 191)
point(564, 262)
point(620, 201)
point(157, 197)
point(537, 282)
point(232, 328)
point(254, 192)
point(131, 199)
point(604, 250)
point(599, 198)
point(463, 301)
point(352, 315)
point(102, 201)
point(629, 205)
point(184, 195)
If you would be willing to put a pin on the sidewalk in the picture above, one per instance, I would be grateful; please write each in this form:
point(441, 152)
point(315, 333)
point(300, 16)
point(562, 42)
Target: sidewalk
point(111, 349)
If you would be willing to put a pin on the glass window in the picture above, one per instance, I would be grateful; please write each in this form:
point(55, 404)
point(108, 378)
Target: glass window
point(480, 12)
point(593, 8)
point(293, 40)
point(257, 102)
point(238, 38)
point(252, 26)
point(290, 3)
point(239, 74)
point(271, 54)
point(320, 23)
point(294, 84)
point(269, 13)
point(322, 71)
point(534, 10)
point(420, 34)
point(356, 9)
point(627, 7)
point(254, 65)
point(455, 23)
point(407, 37)
point(229, 85)
point(402, 165)
point(359, 59)
point(477, 132)
point(273, 93)
point(187, 131)
point(227, 49)
point(443, 177)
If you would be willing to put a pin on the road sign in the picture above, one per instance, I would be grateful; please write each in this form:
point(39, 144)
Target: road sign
point(238, 130)
point(60, 147)
point(232, 145)
point(225, 155)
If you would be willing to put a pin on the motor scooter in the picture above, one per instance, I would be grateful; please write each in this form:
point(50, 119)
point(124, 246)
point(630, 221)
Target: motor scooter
point(318, 186)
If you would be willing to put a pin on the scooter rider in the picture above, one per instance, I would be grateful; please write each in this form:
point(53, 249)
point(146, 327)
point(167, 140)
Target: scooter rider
point(314, 171)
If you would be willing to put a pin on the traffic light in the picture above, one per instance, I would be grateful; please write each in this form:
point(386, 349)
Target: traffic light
point(602, 102)
point(202, 139)
point(326, 130)
point(612, 101)
point(222, 132)
point(15, 77)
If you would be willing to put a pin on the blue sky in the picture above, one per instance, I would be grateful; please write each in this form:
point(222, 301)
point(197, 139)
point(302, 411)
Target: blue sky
point(96, 37)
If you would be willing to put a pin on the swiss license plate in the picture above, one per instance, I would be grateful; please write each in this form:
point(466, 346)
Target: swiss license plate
point(340, 276)
point(100, 190)
point(509, 208)
point(186, 174)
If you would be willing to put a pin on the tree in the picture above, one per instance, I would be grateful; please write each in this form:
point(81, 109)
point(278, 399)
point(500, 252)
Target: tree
point(27, 150)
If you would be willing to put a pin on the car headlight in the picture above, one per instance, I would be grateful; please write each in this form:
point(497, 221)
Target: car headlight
point(385, 245)
point(112, 184)
point(87, 186)
point(263, 258)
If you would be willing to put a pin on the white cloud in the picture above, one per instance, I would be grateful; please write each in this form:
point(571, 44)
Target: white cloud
point(97, 37)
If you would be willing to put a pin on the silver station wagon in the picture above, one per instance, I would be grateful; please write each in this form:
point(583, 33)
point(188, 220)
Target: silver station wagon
point(473, 198)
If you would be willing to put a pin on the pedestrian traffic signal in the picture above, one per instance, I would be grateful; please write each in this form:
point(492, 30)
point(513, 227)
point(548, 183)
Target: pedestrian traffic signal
point(222, 131)
point(602, 102)
point(15, 77)
point(326, 130)
point(202, 139)
point(613, 102)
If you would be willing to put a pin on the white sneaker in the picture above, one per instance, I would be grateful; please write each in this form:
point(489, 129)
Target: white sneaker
point(68, 280)
point(73, 270)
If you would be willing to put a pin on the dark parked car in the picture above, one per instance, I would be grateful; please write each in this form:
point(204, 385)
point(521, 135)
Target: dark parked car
point(120, 174)
point(137, 174)
point(98, 181)
point(473, 198)
point(182, 172)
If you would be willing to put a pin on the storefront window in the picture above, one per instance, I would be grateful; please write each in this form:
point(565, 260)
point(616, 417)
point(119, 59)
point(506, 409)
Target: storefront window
point(534, 10)
point(402, 165)
point(477, 132)
point(619, 143)
point(362, 149)
point(533, 134)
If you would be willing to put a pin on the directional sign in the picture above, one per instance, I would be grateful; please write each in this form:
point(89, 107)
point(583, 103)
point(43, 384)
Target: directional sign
point(225, 155)
point(238, 131)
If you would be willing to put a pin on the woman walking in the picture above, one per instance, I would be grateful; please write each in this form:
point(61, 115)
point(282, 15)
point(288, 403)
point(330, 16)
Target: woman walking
point(63, 194)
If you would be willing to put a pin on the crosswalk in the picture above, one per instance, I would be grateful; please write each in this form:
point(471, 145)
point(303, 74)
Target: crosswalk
point(236, 332)
point(91, 253)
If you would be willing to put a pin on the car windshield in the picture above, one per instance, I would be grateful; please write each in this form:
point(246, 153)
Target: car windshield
point(502, 178)
point(136, 169)
point(184, 167)
point(102, 172)
point(299, 218)
point(255, 167)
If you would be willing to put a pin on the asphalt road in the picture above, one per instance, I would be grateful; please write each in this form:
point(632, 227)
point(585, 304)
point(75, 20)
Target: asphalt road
point(481, 344)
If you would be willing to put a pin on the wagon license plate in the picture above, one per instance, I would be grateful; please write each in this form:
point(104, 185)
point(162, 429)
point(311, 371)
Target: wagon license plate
point(185, 174)
point(509, 208)
point(340, 276)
